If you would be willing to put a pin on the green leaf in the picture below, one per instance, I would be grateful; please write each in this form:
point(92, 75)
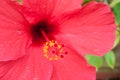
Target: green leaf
point(114, 2)
point(110, 59)
point(94, 60)
point(86, 1)
point(117, 40)
point(20, 1)
point(116, 10)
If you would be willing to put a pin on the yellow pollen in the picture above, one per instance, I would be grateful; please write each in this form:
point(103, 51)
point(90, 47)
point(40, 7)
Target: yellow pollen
point(46, 56)
point(61, 50)
point(50, 59)
point(52, 50)
point(59, 46)
point(56, 58)
point(51, 44)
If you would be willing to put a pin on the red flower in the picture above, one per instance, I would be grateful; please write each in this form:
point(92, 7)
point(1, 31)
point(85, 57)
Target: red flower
point(44, 40)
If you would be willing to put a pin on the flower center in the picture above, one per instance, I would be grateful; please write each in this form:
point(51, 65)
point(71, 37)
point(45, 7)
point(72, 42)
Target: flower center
point(42, 33)
point(52, 49)
point(38, 30)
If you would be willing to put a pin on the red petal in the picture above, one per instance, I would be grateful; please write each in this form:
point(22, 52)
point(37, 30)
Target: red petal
point(73, 67)
point(91, 29)
point(30, 67)
point(13, 39)
point(43, 8)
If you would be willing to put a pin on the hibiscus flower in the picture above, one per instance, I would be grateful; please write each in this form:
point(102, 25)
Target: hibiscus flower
point(46, 39)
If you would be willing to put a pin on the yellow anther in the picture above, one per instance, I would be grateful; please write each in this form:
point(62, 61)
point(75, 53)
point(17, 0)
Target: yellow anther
point(51, 44)
point(45, 51)
point(56, 58)
point(46, 43)
point(52, 50)
point(45, 47)
point(59, 46)
point(46, 56)
point(61, 50)
point(50, 59)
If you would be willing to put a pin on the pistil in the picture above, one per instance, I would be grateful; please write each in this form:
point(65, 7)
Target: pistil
point(52, 49)
point(44, 35)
